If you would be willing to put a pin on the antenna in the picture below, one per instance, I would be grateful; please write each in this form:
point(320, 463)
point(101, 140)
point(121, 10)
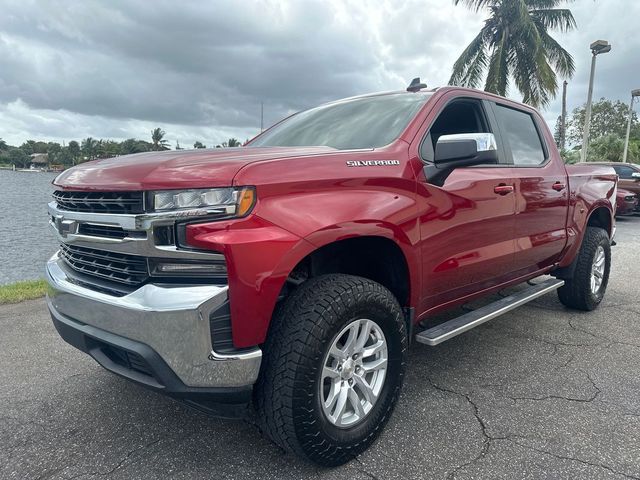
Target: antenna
point(415, 85)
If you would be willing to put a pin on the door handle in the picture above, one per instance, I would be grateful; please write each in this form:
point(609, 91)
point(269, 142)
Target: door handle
point(558, 186)
point(503, 189)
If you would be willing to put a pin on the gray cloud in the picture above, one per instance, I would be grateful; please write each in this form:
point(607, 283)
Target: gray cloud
point(188, 63)
point(200, 69)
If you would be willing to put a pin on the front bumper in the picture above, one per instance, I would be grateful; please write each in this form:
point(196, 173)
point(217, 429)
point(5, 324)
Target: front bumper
point(626, 208)
point(166, 326)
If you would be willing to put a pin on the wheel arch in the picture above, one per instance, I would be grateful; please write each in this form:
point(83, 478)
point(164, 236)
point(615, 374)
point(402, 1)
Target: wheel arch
point(377, 258)
point(379, 251)
point(600, 216)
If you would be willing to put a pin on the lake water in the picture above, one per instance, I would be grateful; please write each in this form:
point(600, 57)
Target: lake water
point(26, 241)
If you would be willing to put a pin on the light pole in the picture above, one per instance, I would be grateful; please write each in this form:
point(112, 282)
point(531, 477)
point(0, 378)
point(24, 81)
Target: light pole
point(634, 94)
point(597, 47)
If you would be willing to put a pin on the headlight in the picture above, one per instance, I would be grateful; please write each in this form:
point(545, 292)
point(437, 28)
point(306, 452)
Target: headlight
point(230, 201)
point(630, 198)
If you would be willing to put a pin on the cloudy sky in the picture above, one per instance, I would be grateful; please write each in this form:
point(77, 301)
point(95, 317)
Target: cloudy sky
point(116, 69)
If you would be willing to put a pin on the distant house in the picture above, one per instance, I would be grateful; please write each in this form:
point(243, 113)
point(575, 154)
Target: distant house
point(39, 160)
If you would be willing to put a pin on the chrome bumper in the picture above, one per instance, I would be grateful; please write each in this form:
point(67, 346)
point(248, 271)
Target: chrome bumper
point(171, 320)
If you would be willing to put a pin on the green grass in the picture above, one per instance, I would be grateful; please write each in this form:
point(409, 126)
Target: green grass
point(20, 291)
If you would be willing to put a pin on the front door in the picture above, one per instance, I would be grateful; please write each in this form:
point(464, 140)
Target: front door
point(467, 222)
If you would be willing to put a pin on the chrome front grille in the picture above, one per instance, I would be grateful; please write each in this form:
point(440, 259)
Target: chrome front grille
point(116, 254)
point(104, 231)
point(100, 202)
point(115, 267)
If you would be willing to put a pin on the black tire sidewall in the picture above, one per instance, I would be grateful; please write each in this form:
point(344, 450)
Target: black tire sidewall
point(576, 292)
point(393, 379)
point(315, 437)
point(595, 299)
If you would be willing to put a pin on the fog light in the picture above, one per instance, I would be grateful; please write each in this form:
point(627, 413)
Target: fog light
point(200, 269)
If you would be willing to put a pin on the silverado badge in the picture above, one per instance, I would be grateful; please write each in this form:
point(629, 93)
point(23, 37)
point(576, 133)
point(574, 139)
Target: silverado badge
point(372, 163)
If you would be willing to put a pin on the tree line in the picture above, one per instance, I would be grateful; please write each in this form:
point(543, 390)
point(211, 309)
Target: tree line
point(91, 149)
point(607, 132)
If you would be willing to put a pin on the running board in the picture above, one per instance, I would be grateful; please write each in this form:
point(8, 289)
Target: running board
point(440, 333)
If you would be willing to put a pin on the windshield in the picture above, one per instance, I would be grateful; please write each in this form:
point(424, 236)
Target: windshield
point(365, 122)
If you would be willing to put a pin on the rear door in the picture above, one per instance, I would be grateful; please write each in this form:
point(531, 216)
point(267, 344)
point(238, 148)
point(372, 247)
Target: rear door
point(541, 189)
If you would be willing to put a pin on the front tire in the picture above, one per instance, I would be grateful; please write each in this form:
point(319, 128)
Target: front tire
point(586, 289)
point(332, 369)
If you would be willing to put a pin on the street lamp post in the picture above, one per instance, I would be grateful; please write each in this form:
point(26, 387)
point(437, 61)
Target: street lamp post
point(634, 94)
point(597, 47)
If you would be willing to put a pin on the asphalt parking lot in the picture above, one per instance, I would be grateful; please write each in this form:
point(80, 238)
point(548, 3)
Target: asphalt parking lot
point(541, 392)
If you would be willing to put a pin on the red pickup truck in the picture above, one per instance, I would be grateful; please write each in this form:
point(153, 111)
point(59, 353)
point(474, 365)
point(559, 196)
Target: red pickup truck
point(291, 274)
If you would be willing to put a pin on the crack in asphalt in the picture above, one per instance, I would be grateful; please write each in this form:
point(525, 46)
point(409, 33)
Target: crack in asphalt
point(590, 399)
point(13, 449)
point(364, 470)
point(487, 439)
point(572, 357)
point(120, 463)
point(574, 459)
point(560, 343)
point(609, 341)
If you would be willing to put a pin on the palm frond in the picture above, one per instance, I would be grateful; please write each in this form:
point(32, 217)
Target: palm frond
point(527, 30)
point(538, 4)
point(547, 79)
point(498, 74)
point(534, 78)
point(561, 60)
point(467, 71)
point(555, 19)
point(475, 5)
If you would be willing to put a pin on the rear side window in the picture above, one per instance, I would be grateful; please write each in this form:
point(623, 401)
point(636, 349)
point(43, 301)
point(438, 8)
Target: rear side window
point(521, 134)
point(624, 172)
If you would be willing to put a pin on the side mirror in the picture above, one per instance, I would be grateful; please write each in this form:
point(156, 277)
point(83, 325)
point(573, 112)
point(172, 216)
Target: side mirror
point(465, 149)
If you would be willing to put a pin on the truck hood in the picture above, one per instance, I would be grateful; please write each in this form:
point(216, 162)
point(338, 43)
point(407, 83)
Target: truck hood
point(200, 168)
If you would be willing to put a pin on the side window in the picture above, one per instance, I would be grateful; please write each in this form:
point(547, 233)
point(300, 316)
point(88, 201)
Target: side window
point(460, 116)
point(521, 135)
point(624, 172)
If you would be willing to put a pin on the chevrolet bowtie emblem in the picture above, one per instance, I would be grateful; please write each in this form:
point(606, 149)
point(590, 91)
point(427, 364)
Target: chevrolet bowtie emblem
point(65, 227)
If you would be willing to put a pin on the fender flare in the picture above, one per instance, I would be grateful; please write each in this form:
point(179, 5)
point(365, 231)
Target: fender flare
point(567, 272)
point(356, 229)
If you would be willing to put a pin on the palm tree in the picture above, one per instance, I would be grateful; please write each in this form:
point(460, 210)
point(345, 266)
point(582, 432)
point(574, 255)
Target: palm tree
point(74, 150)
point(158, 141)
point(514, 43)
point(232, 142)
point(89, 147)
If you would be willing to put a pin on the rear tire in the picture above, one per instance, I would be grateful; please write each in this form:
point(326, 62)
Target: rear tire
point(586, 289)
point(293, 391)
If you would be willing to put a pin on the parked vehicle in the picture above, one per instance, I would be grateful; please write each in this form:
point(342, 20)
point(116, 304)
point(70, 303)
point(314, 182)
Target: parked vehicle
point(628, 176)
point(626, 202)
point(295, 271)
